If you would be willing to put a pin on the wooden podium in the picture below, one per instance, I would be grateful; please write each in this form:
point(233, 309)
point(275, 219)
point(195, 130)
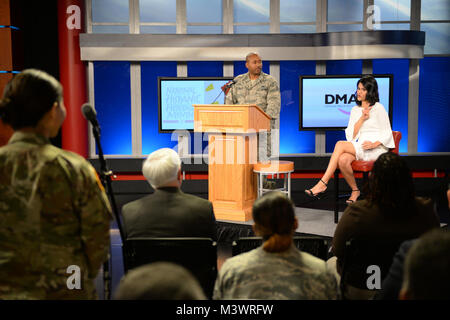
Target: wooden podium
point(232, 152)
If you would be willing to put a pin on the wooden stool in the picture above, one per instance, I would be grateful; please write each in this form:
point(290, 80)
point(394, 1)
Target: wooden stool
point(274, 168)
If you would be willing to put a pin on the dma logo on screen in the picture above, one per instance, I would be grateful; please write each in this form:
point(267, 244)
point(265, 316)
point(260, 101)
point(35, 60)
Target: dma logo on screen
point(335, 99)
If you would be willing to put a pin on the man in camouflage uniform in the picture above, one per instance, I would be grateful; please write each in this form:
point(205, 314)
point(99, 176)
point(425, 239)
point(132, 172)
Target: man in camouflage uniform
point(53, 214)
point(257, 87)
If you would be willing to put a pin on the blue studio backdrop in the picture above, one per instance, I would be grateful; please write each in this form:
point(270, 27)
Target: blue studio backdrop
point(113, 102)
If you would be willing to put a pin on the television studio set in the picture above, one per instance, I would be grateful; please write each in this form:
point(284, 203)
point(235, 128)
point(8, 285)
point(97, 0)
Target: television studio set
point(225, 151)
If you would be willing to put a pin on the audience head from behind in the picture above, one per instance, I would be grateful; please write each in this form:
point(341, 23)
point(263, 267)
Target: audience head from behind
point(275, 221)
point(162, 168)
point(427, 268)
point(391, 185)
point(159, 281)
point(33, 102)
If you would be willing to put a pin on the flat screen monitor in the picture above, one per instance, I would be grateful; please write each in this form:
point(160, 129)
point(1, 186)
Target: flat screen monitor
point(176, 95)
point(326, 101)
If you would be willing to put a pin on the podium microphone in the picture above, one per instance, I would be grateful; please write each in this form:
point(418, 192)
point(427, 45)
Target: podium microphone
point(225, 88)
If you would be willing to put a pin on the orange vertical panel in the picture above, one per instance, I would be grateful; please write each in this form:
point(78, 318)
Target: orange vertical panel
point(5, 16)
point(5, 130)
point(5, 49)
point(6, 61)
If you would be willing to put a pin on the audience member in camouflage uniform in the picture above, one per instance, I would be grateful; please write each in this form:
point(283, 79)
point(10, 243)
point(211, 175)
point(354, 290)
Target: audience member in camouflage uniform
point(53, 211)
point(257, 87)
point(277, 269)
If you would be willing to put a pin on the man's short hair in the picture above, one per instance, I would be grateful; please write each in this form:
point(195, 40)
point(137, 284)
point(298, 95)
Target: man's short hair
point(247, 57)
point(161, 167)
point(427, 266)
point(159, 281)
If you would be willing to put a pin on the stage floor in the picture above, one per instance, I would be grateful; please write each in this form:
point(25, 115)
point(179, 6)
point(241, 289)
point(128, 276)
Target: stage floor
point(310, 221)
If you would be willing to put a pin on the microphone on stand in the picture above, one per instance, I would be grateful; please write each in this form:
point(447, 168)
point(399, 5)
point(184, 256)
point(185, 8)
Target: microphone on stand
point(90, 114)
point(105, 174)
point(225, 88)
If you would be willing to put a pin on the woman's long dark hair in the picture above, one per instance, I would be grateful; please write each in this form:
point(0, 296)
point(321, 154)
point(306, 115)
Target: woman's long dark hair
point(28, 97)
point(274, 217)
point(371, 85)
point(391, 186)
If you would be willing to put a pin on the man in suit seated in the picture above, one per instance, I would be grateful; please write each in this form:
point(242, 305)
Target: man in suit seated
point(168, 212)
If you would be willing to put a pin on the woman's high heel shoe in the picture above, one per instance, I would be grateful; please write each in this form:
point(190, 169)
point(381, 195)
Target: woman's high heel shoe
point(316, 195)
point(352, 201)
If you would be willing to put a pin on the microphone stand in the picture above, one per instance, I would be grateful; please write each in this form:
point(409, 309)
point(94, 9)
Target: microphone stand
point(105, 177)
point(225, 88)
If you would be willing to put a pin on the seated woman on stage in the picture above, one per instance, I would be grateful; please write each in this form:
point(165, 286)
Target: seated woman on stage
point(368, 135)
